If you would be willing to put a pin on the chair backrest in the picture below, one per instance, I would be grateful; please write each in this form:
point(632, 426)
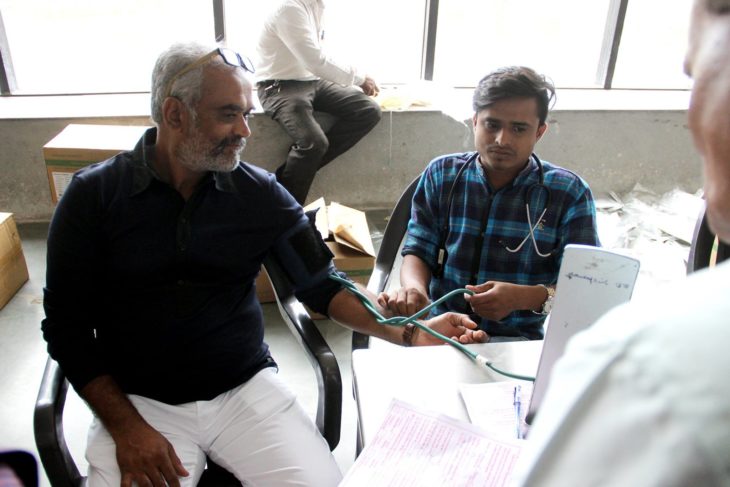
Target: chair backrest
point(393, 236)
point(48, 415)
point(704, 243)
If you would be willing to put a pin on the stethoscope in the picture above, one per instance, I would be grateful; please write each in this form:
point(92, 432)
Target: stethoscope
point(540, 186)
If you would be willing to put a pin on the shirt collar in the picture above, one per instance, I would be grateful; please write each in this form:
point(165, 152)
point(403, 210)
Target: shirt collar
point(144, 173)
point(525, 176)
point(530, 169)
point(143, 155)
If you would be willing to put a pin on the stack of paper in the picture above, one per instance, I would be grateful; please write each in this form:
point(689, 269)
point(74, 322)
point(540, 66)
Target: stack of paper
point(419, 448)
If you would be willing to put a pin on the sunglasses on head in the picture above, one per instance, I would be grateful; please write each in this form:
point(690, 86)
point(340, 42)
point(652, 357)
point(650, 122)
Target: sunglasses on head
point(229, 56)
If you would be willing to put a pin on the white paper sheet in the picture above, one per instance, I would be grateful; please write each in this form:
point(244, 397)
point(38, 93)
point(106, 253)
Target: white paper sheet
point(419, 448)
point(491, 406)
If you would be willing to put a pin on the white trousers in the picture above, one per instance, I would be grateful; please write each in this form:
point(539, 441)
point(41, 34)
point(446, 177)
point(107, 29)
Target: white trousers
point(258, 431)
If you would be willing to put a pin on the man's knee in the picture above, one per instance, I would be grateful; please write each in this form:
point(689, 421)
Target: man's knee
point(371, 112)
point(374, 111)
point(312, 147)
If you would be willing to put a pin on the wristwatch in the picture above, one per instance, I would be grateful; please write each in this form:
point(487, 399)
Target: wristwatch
point(547, 306)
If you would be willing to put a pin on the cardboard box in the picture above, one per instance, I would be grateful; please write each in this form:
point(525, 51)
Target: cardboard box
point(80, 145)
point(13, 270)
point(348, 238)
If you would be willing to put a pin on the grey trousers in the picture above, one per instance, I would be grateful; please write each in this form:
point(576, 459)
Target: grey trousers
point(292, 104)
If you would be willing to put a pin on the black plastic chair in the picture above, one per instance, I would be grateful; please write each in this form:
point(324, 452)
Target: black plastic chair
point(329, 379)
point(703, 243)
point(48, 419)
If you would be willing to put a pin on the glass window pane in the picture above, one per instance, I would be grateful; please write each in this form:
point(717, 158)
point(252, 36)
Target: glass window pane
point(383, 40)
point(243, 19)
point(651, 53)
point(92, 46)
point(561, 39)
point(382, 37)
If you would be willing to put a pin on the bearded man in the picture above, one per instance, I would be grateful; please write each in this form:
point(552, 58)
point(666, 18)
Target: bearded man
point(150, 301)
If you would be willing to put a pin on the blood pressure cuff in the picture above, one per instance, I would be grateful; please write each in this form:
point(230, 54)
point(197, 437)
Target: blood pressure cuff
point(307, 261)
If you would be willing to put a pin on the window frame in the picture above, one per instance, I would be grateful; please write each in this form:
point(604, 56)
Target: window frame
point(604, 77)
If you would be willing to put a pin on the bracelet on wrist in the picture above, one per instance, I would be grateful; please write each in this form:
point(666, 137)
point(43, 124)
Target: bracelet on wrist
point(408, 332)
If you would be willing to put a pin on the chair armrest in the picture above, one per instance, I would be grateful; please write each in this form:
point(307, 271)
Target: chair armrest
point(48, 429)
point(327, 370)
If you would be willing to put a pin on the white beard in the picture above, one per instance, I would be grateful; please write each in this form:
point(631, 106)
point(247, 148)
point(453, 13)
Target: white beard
point(198, 154)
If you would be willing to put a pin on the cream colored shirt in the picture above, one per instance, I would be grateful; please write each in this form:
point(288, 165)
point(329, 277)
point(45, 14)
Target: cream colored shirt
point(290, 46)
point(642, 398)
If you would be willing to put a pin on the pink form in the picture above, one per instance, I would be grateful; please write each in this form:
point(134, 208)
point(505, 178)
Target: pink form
point(414, 447)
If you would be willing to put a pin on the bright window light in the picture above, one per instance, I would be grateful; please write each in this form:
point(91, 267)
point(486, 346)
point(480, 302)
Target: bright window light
point(93, 46)
point(652, 53)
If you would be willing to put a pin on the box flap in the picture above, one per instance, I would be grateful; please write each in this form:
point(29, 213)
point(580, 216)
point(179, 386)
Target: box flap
point(350, 227)
point(346, 226)
point(321, 221)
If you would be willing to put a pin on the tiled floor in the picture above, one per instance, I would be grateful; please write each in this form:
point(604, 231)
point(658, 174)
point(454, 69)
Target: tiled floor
point(23, 358)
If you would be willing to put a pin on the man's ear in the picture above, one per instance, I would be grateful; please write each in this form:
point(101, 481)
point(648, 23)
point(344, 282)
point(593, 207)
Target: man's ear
point(541, 130)
point(174, 113)
point(474, 122)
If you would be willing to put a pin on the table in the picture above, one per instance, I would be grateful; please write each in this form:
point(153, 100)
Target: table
point(428, 377)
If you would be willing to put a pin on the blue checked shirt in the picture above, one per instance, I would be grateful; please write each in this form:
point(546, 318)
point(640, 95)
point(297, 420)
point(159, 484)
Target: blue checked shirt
point(570, 218)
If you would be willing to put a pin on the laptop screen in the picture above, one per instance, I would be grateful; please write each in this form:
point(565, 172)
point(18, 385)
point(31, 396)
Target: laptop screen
point(591, 281)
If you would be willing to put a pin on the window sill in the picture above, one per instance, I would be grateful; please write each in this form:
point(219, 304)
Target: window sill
point(456, 102)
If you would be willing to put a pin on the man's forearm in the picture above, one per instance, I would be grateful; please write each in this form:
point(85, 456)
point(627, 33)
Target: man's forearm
point(346, 309)
point(534, 297)
point(415, 274)
point(111, 405)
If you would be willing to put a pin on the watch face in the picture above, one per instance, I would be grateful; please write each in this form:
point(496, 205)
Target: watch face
point(547, 306)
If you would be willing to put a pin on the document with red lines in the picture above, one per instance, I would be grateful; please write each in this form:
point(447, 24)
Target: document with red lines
point(419, 448)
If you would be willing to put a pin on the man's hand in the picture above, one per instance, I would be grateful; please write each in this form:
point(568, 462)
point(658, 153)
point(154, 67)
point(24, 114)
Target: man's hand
point(495, 300)
point(404, 301)
point(369, 87)
point(145, 457)
point(452, 325)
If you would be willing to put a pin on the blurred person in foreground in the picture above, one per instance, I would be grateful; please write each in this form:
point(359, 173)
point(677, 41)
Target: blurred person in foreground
point(642, 397)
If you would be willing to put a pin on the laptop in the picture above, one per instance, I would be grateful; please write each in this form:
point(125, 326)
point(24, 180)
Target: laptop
point(591, 281)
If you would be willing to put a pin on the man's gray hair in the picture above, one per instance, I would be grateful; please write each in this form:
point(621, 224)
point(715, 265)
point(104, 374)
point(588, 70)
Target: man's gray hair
point(187, 87)
point(718, 6)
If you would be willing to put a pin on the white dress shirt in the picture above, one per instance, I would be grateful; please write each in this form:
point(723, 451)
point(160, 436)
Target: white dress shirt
point(289, 46)
point(642, 398)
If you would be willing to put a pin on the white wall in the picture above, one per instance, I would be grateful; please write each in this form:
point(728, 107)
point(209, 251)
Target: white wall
point(611, 149)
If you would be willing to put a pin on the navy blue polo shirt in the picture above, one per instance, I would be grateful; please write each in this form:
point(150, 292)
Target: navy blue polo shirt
point(159, 291)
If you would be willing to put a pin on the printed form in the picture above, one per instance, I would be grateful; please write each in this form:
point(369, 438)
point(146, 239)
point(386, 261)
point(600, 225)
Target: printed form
point(419, 448)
